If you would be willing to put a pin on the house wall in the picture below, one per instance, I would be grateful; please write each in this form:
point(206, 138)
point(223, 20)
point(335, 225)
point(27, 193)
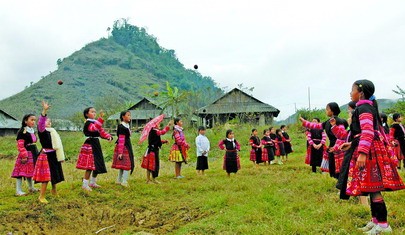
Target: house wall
point(7, 132)
point(261, 119)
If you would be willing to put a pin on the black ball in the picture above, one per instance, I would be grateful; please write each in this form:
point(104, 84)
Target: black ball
point(195, 66)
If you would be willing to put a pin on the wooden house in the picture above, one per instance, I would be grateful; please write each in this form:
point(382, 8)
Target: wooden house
point(236, 104)
point(143, 111)
point(8, 124)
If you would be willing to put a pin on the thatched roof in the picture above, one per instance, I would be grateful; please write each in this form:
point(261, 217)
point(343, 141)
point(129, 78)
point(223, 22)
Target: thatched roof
point(237, 101)
point(8, 122)
point(142, 110)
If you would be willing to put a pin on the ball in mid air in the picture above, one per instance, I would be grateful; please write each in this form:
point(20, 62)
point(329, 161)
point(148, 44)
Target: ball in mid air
point(60, 82)
point(195, 66)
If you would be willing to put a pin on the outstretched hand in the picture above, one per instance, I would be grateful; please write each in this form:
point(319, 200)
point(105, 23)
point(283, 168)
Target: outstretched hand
point(302, 119)
point(101, 114)
point(45, 105)
point(171, 123)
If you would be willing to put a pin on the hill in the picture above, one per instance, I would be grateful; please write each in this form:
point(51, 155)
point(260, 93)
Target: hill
point(120, 69)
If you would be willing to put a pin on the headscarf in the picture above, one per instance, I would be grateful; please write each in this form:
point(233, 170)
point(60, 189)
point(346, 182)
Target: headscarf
point(367, 87)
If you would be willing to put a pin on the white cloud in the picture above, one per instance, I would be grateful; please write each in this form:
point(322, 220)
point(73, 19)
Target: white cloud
point(279, 47)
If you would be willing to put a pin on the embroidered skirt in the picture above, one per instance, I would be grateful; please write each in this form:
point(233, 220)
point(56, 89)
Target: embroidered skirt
point(379, 174)
point(178, 154)
point(124, 163)
point(24, 169)
point(42, 172)
point(91, 157)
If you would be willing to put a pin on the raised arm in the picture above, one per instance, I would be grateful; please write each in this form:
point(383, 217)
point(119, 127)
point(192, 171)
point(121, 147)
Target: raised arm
point(98, 126)
point(163, 131)
point(312, 125)
point(43, 117)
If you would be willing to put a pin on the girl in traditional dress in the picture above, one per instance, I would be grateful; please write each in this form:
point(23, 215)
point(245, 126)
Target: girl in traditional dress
point(256, 152)
point(316, 146)
point(371, 168)
point(27, 154)
point(335, 159)
point(231, 158)
point(273, 137)
point(123, 158)
point(287, 142)
point(268, 145)
point(280, 151)
point(384, 121)
point(397, 137)
point(154, 144)
point(49, 163)
point(91, 157)
point(178, 153)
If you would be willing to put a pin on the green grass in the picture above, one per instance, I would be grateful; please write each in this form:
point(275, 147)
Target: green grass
point(274, 199)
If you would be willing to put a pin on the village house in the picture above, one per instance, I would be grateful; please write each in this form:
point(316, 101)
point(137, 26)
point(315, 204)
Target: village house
point(8, 124)
point(237, 104)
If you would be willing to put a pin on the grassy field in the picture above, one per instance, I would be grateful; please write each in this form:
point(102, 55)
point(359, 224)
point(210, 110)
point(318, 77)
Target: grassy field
point(286, 199)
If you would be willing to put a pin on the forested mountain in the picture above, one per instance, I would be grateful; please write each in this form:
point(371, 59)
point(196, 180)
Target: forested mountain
point(120, 69)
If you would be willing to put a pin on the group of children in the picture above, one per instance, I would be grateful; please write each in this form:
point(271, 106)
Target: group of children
point(45, 165)
point(363, 152)
point(360, 152)
point(273, 147)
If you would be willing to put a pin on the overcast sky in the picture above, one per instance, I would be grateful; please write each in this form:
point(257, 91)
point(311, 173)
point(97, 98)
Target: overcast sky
point(279, 47)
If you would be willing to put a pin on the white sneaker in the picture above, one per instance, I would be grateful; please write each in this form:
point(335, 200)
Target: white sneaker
point(379, 230)
point(370, 225)
point(86, 188)
point(20, 193)
point(94, 185)
point(125, 184)
point(33, 190)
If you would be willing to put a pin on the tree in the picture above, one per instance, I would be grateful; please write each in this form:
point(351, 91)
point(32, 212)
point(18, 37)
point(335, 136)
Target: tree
point(248, 90)
point(59, 61)
point(108, 32)
point(172, 98)
point(398, 107)
point(400, 92)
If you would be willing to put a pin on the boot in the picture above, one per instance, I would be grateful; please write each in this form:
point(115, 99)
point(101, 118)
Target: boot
point(119, 178)
point(125, 176)
point(18, 189)
point(31, 187)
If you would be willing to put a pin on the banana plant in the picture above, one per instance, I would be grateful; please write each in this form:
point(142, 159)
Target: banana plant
point(172, 99)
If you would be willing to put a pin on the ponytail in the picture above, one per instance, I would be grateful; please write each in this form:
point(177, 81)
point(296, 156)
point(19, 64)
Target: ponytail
point(375, 105)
